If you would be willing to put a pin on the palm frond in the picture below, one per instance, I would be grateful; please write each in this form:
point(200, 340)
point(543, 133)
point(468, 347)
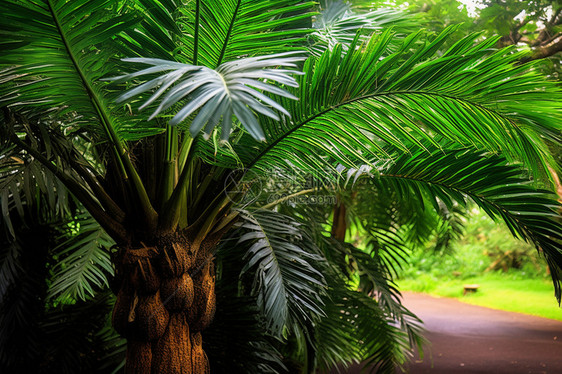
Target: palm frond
point(222, 31)
point(114, 350)
point(280, 258)
point(340, 22)
point(66, 48)
point(62, 50)
point(501, 189)
point(234, 88)
point(396, 348)
point(359, 105)
point(159, 32)
point(450, 227)
point(239, 340)
point(83, 262)
point(393, 224)
point(374, 278)
point(381, 216)
point(375, 281)
point(22, 181)
point(358, 330)
point(354, 278)
point(387, 245)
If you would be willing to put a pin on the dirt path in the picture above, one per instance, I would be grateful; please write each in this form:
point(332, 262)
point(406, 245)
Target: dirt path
point(472, 339)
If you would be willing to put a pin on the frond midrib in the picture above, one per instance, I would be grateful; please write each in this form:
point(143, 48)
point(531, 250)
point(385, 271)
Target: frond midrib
point(229, 32)
point(274, 258)
point(370, 96)
point(96, 103)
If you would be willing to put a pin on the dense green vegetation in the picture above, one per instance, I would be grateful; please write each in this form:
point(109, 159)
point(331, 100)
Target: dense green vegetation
point(511, 291)
point(232, 185)
point(483, 247)
point(509, 272)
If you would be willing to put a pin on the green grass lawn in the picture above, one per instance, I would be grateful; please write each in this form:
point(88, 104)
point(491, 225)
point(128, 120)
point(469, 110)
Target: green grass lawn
point(497, 290)
point(525, 289)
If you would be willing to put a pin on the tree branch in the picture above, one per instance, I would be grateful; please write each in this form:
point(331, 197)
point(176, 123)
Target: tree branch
point(547, 50)
point(555, 15)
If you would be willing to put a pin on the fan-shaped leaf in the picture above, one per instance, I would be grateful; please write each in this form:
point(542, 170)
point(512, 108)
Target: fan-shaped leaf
point(233, 88)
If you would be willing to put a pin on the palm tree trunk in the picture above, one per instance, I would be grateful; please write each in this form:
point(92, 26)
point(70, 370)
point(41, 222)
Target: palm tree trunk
point(166, 298)
point(339, 222)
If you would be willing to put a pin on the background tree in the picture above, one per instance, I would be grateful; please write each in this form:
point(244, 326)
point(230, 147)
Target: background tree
point(533, 25)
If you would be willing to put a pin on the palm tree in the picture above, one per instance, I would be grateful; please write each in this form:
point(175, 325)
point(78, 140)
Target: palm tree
point(53, 265)
point(431, 126)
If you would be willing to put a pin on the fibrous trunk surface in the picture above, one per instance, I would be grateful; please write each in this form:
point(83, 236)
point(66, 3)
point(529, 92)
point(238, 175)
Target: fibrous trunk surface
point(165, 299)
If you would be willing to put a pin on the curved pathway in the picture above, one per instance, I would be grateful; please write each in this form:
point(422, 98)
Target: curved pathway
point(471, 339)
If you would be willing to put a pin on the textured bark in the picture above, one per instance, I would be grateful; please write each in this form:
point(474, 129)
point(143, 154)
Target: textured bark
point(547, 49)
point(165, 299)
point(339, 224)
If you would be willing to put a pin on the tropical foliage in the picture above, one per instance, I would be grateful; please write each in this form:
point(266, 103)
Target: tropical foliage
point(533, 25)
point(331, 143)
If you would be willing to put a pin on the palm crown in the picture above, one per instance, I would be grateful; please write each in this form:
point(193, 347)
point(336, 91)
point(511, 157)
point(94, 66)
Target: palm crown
point(271, 90)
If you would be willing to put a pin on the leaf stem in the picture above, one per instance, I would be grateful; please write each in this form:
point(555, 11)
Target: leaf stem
point(127, 168)
point(114, 228)
point(170, 212)
point(196, 36)
point(285, 198)
point(226, 39)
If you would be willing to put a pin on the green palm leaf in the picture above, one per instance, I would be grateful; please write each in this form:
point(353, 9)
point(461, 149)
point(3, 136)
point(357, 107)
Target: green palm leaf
point(394, 224)
point(58, 65)
point(160, 28)
point(352, 316)
point(83, 264)
point(340, 22)
point(357, 329)
point(358, 105)
point(225, 30)
point(499, 188)
point(23, 180)
point(450, 227)
point(288, 287)
point(394, 348)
